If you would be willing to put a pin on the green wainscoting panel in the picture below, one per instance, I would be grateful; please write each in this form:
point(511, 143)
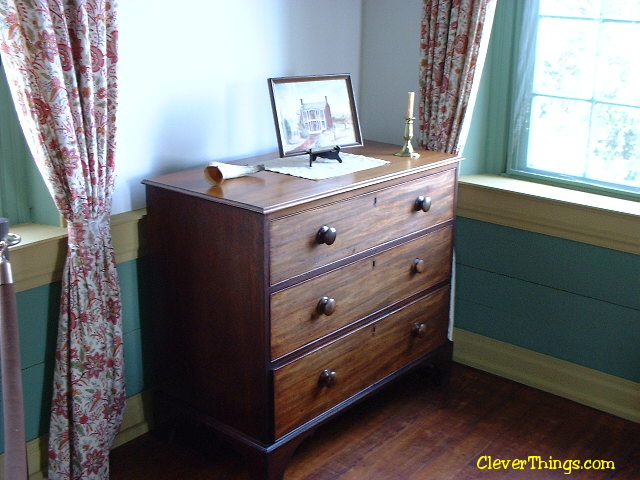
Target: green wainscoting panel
point(561, 298)
point(597, 272)
point(38, 323)
point(129, 293)
point(134, 362)
point(37, 400)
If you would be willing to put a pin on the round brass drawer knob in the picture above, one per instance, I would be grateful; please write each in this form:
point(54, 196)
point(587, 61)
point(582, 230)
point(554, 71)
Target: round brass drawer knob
point(419, 266)
point(328, 378)
point(423, 203)
point(326, 235)
point(326, 306)
point(419, 329)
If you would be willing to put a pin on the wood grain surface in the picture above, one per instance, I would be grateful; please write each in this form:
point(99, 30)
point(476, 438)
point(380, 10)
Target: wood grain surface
point(360, 359)
point(415, 431)
point(362, 222)
point(359, 289)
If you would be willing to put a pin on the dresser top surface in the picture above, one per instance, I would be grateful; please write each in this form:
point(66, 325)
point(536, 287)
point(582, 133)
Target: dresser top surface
point(267, 191)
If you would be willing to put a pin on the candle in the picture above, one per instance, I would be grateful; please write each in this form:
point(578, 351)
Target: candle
point(410, 98)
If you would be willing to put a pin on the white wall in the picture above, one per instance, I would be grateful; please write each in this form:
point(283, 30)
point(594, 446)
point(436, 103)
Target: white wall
point(389, 69)
point(389, 66)
point(193, 80)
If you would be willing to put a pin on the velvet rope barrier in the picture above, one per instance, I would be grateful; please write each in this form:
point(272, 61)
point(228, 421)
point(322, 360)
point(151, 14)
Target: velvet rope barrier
point(15, 453)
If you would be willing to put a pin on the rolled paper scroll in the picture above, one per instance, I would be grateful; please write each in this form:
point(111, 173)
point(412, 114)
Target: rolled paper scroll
point(217, 172)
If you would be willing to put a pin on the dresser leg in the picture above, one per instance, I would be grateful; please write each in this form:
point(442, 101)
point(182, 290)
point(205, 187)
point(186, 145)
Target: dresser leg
point(439, 364)
point(268, 463)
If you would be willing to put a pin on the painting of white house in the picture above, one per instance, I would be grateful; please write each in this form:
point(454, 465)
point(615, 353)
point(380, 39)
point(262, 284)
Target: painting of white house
point(314, 113)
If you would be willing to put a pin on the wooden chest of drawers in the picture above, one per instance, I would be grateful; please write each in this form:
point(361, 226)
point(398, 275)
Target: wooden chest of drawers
point(283, 301)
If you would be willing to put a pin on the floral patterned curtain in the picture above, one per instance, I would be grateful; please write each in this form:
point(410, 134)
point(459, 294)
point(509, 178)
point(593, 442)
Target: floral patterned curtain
point(454, 35)
point(60, 58)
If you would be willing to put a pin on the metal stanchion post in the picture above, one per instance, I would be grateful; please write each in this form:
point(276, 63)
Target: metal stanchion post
point(15, 453)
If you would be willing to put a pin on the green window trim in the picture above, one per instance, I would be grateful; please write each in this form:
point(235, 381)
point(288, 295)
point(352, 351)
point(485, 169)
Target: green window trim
point(13, 150)
point(24, 197)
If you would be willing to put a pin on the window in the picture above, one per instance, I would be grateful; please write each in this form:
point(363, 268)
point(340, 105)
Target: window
point(23, 194)
point(577, 103)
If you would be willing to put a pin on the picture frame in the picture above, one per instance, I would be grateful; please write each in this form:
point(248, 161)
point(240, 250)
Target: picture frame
point(314, 114)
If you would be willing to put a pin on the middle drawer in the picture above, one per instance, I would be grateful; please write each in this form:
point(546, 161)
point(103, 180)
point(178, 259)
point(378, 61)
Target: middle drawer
point(323, 304)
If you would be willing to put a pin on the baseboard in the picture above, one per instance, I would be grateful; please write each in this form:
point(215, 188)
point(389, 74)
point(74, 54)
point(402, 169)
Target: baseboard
point(602, 391)
point(135, 423)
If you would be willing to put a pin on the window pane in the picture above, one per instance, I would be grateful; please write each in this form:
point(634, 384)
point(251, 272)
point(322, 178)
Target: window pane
point(621, 9)
point(565, 63)
point(580, 123)
point(14, 189)
point(570, 8)
point(615, 145)
point(24, 197)
point(618, 66)
point(558, 135)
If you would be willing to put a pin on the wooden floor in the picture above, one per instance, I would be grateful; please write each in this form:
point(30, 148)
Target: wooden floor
point(414, 431)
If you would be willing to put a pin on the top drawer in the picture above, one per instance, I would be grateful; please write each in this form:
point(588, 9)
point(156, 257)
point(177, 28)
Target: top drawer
point(360, 223)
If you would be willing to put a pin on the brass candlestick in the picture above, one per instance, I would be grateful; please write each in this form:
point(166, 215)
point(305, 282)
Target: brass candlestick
point(407, 148)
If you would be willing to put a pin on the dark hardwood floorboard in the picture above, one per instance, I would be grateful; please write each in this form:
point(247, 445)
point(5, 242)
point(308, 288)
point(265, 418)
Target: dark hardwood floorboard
point(416, 431)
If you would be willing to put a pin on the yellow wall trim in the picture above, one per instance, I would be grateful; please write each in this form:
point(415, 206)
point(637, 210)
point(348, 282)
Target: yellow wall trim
point(584, 217)
point(135, 423)
point(596, 389)
point(39, 259)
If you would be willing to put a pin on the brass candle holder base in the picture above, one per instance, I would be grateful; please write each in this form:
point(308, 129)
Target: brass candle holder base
point(407, 149)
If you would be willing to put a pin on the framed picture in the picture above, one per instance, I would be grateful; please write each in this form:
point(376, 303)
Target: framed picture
point(316, 113)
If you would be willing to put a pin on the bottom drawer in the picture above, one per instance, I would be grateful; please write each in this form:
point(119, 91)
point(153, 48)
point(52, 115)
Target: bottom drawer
point(358, 360)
